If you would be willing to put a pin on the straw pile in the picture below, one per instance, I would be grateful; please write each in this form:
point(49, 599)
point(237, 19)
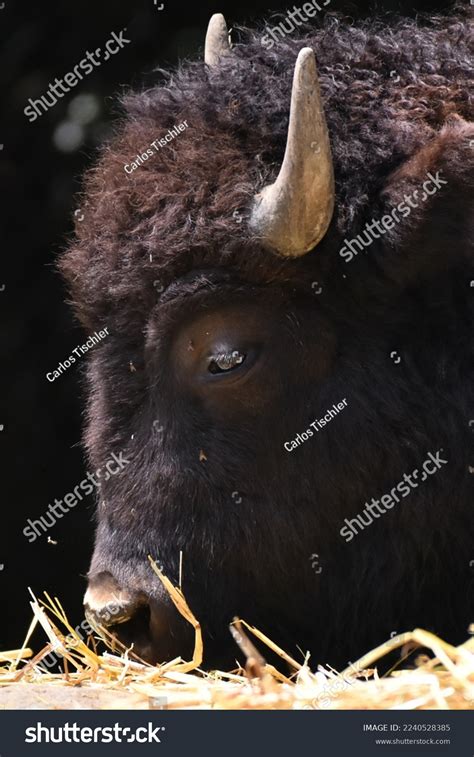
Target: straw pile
point(118, 679)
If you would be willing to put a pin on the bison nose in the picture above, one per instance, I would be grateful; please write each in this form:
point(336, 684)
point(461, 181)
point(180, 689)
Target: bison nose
point(150, 625)
point(107, 604)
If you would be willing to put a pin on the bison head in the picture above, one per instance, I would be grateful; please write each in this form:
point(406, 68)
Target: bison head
point(279, 355)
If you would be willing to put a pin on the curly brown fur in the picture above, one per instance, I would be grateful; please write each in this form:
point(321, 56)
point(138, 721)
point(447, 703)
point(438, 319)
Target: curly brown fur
point(179, 206)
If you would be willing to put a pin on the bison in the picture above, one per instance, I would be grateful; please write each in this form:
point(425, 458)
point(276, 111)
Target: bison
point(279, 241)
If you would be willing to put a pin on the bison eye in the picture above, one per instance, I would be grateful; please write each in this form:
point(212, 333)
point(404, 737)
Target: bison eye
point(226, 361)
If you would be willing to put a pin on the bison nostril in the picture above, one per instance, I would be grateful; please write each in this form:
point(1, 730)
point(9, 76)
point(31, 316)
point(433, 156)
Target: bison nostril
point(134, 632)
point(150, 626)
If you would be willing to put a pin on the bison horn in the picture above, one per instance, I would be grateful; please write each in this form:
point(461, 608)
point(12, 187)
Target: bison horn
point(217, 40)
point(292, 215)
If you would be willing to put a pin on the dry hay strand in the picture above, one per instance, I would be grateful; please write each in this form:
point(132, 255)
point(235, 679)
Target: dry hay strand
point(118, 678)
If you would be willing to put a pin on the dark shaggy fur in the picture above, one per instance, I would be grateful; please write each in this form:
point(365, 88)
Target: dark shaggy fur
point(173, 223)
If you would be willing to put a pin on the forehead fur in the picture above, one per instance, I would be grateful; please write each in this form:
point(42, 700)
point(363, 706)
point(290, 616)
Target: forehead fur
point(177, 211)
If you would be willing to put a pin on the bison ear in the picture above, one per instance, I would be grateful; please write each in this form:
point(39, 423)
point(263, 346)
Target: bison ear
point(217, 40)
point(431, 199)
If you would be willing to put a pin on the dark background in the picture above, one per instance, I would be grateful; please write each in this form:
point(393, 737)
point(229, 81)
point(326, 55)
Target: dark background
point(40, 168)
